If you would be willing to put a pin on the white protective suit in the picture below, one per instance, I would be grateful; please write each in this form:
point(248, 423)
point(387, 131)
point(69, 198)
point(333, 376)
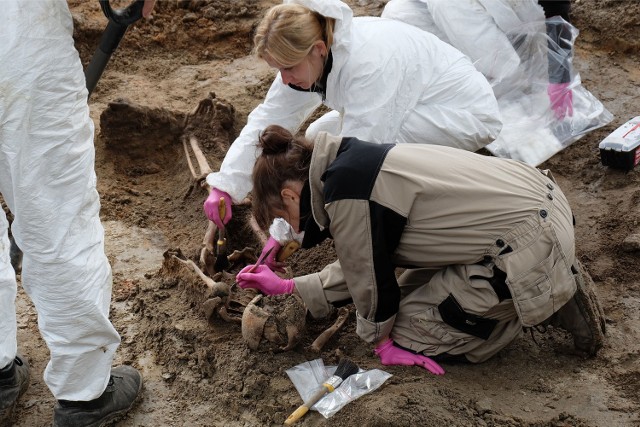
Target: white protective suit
point(389, 82)
point(507, 41)
point(48, 181)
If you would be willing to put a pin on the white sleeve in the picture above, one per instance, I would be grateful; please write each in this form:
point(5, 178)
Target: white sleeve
point(282, 106)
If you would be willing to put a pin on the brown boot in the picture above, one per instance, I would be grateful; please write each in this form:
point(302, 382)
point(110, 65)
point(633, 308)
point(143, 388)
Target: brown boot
point(582, 315)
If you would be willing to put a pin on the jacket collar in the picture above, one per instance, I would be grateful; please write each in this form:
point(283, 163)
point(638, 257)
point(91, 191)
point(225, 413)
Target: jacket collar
point(325, 150)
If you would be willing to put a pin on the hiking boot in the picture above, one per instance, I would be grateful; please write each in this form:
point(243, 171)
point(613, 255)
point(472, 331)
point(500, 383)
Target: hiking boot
point(118, 398)
point(14, 381)
point(582, 315)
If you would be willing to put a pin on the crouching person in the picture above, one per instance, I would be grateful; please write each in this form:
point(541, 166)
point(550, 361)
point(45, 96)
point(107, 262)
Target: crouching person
point(487, 245)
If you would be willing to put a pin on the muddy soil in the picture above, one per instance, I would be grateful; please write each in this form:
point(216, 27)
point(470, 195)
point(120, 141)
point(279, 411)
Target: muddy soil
point(198, 369)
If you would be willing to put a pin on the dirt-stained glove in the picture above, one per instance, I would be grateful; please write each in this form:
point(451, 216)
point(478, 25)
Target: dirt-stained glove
point(212, 204)
point(561, 98)
point(271, 261)
point(392, 355)
point(264, 280)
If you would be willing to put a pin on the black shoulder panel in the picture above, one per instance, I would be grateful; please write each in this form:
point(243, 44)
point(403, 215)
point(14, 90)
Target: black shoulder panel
point(354, 171)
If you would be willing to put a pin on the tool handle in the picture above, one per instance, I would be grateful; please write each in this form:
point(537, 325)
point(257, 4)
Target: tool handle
point(119, 21)
point(287, 250)
point(222, 209)
point(222, 240)
point(124, 17)
point(304, 408)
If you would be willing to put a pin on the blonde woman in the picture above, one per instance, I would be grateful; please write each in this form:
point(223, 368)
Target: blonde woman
point(386, 82)
point(487, 244)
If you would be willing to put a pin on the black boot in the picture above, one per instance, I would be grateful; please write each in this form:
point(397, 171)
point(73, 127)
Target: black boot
point(14, 381)
point(118, 398)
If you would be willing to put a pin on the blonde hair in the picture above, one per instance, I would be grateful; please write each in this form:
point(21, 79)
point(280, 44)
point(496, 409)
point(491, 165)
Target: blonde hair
point(288, 31)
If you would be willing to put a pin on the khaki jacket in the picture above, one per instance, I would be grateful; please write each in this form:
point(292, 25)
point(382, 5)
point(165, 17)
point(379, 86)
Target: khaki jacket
point(424, 206)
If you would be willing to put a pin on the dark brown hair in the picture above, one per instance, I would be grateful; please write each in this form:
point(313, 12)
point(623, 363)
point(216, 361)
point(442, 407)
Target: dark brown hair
point(284, 158)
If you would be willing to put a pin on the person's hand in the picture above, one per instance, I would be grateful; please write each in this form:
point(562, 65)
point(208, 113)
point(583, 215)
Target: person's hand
point(212, 204)
point(264, 280)
point(271, 261)
point(392, 355)
point(148, 7)
point(561, 98)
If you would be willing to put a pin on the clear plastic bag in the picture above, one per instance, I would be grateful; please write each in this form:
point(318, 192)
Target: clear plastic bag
point(522, 55)
point(308, 376)
point(531, 131)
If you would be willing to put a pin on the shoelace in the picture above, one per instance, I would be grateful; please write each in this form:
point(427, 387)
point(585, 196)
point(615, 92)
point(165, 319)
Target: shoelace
point(542, 329)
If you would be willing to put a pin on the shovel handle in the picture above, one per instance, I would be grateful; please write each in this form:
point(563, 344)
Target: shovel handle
point(119, 21)
point(126, 16)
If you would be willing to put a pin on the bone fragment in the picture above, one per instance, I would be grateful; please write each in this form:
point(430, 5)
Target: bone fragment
point(205, 169)
point(217, 288)
point(323, 338)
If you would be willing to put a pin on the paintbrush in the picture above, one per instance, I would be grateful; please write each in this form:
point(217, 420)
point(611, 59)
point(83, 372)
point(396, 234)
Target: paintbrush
point(345, 369)
point(260, 260)
point(222, 262)
point(282, 232)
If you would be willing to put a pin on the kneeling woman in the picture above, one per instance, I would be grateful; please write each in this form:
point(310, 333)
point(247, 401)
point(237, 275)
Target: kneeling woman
point(487, 244)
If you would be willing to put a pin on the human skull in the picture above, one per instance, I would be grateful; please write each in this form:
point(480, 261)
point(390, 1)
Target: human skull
point(273, 323)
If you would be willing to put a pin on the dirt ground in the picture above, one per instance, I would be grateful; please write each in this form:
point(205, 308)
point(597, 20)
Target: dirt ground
point(198, 371)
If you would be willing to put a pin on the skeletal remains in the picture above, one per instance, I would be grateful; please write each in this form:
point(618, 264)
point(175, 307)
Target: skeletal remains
point(274, 323)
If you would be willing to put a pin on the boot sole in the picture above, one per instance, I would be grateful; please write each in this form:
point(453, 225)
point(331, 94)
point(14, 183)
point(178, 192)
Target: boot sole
point(590, 306)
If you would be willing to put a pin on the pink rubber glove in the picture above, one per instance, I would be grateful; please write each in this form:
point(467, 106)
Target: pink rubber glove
point(264, 280)
point(561, 98)
point(270, 261)
point(392, 355)
point(211, 207)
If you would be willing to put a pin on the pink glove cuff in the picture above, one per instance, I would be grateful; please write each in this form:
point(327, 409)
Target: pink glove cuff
point(288, 285)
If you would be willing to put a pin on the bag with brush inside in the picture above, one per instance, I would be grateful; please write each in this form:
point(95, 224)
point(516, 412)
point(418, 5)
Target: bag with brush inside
point(308, 377)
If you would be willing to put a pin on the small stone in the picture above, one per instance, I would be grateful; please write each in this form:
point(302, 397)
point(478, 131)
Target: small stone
point(631, 243)
point(483, 406)
point(190, 17)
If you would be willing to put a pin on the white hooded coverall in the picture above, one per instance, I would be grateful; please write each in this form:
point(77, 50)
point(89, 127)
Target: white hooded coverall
point(48, 181)
point(389, 82)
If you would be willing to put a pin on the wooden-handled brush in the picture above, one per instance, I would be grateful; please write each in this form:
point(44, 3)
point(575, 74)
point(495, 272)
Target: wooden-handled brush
point(345, 369)
point(287, 250)
point(222, 262)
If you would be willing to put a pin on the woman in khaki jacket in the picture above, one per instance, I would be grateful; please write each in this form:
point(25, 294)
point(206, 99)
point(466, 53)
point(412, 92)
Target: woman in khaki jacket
point(487, 244)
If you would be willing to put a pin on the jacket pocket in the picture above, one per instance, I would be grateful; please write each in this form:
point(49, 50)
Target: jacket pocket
point(542, 289)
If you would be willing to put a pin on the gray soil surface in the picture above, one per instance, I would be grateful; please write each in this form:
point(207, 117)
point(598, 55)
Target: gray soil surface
point(198, 370)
